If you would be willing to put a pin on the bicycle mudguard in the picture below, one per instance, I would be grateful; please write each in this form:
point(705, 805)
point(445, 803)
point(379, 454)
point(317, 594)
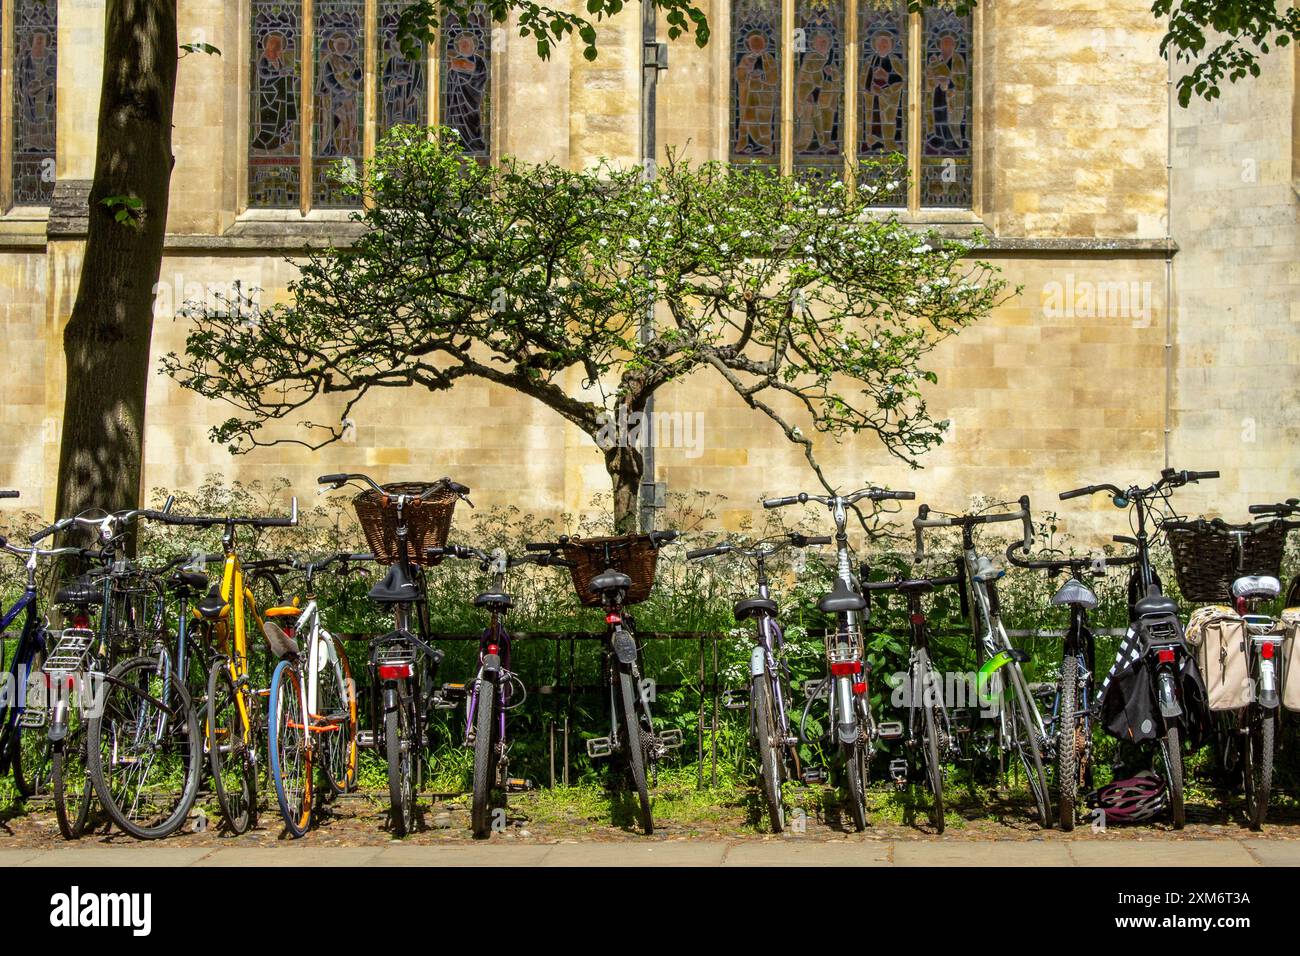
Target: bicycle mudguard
point(624, 646)
point(994, 664)
point(491, 664)
point(757, 662)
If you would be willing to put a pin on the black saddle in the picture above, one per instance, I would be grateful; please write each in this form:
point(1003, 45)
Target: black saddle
point(610, 580)
point(184, 580)
point(1155, 604)
point(80, 592)
point(919, 585)
point(212, 605)
point(841, 598)
point(496, 599)
point(395, 588)
point(752, 607)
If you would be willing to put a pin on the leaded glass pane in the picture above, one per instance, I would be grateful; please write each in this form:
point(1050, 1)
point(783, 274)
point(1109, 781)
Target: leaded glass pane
point(274, 135)
point(466, 70)
point(946, 110)
point(755, 81)
point(819, 88)
point(35, 39)
point(338, 98)
point(882, 92)
point(403, 89)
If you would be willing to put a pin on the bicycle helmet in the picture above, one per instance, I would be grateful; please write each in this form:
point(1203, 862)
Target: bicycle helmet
point(1131, 800)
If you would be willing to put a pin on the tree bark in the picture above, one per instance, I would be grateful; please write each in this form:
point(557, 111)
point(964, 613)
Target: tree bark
point(624, 465)
point(106, 342)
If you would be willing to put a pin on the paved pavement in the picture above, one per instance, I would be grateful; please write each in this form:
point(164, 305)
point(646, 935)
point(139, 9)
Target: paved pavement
point(781, 852)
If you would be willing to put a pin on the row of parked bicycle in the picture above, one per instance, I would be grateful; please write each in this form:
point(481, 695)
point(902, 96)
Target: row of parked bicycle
point(156, 683)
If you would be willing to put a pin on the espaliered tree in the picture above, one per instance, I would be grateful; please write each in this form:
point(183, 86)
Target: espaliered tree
point(815, 312)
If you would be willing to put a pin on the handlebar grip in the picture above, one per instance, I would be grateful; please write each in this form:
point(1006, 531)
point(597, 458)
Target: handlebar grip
point(1262, 509)
point(663, 536)
point(458, 487)
point(1078, 492)
point(47, 531)
point(780, 502)
point(1028, 521)
point(899, 495)
point(819, 539)
point(702, 553)
point(1201, 475)
point(8, 493)
point(331, 479)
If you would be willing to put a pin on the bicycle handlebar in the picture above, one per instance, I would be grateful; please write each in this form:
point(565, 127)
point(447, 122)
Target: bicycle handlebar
point(1060, 564)
point(1169, 478)
point(895, 585)
point(212, 521)
point(875, 494)
point(108, 524)
point(923, 520)
point(337, 481)
point(792, 539)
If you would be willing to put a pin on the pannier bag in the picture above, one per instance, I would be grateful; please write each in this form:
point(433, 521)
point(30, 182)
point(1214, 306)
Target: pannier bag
point(1222, 650)
point(1291, 658)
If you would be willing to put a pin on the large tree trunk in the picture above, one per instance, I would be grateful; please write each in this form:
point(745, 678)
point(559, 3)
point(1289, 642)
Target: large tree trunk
point(624, 465)
point(107, 339)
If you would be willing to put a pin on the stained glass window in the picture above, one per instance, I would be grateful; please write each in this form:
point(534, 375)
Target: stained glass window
point(339, 98)
point(755, 81)
point(275, 131)
point(466, 68)
point(882, 89)
point(819, 88)
point(403, 90)
point(35, 39)
point(946, 110)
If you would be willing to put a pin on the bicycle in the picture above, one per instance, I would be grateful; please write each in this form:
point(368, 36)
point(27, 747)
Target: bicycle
point(929, 731)
point(1153, 651)
point(1019, 727)
point(313, 700)
point(232, 714)
point(401, 522)
point(495, 689)
point(615, 573)
point(769, 690)
point(855, 732)
point(1069, 727)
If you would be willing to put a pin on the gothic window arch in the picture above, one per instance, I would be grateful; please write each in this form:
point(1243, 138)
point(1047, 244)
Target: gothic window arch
point(30, 34)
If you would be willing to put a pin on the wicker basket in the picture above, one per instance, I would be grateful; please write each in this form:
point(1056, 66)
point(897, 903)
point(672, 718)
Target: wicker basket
point(1205, 556)
point(428, 520)
point(633, 554)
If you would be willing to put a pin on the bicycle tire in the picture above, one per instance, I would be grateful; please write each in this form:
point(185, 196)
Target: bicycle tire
point(175, 734)
point(401, 777)
point(234, 774)
point(1261, 745)
point(933, 767)
point(1029, 748)
point(1173, 757)
point(769, 750)
point(1067, 743)
point(855, 762)
point(290, 747)
point(338, 749)
point(70, 780)
point(484, 757)
point(635, 748)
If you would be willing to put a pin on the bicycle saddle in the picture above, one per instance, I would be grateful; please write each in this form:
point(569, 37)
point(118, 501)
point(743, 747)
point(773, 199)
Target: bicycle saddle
point(497, 599)
point(395, 588)
point(1075, 591)
point(190, 580)
point(212, 605)
point(751, 607)
point(841, 598)
point(1252, 586)
point(80, 592)
point(1155, 604)
point(610, 580)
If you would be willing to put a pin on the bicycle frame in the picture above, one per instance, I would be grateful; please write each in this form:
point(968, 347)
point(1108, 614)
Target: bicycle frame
point(493, 654)
point(31, 642)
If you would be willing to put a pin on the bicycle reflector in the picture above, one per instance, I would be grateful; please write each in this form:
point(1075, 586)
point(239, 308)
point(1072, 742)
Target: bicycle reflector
point(613, 618)
point(395, 671)
point(1266, 650)
point(846, 668)
point(1166, 655)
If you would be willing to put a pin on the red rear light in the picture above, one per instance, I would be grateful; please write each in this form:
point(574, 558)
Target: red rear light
point(846, 668)
point(493, 649)
point(918, 618)
point(1267, 650)
point(81, 620)
point(1166, 655)
point(612, 618)
point(860, 687)
point(394, 671)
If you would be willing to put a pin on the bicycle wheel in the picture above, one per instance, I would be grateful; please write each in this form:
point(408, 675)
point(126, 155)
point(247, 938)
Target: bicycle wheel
point(1259, 769)
point(1067, 742)
point(1171, 748)
point(70, 779)
point(485, 754)
point(1028, 745)
point(932, 749)
point(336, 749)
point(234, 771)
point(771, 763)
point(143, 748)
point(635, 747)
point(290, 747)
point(855, 760)
point(398, 743)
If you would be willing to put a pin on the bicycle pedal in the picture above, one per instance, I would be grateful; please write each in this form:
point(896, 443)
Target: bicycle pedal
point(898, 771)
point(599, 747)
point(889, 730)
point(442, 703)
point(735, 699)
point(669, 739)
point(813, 775)
point(453, 690)
point(519, 785)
